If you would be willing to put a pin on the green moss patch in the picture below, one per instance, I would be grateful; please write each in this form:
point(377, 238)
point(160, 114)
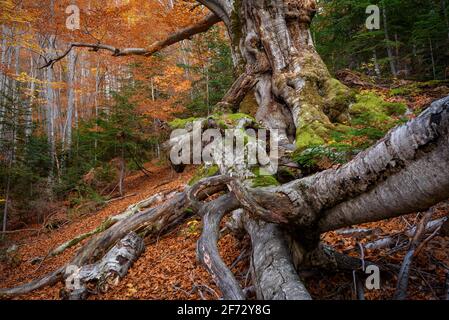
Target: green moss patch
point(203, 172)
point(262, 179)
point(415, 88)
point(339, 97)
point(307, 136)
point(372, 110)
point(321, 144)
point(223, 120)
point(182, 123)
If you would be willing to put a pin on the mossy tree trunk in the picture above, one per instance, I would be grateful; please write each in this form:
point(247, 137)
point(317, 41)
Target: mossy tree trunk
point(273, 46)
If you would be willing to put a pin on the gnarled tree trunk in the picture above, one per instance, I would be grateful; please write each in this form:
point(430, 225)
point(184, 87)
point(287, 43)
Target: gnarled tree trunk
point(272, 46)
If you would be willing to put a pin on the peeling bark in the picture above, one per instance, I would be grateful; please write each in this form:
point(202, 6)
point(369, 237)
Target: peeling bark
point(107, 272)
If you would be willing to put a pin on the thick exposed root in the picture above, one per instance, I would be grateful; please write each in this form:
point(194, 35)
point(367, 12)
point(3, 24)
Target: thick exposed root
point(274, 275)
point(273, 272)
point(107, 272)
point(207, 249)
point(48, 280)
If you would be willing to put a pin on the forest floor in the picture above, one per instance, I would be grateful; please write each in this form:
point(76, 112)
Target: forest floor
point(168, 268)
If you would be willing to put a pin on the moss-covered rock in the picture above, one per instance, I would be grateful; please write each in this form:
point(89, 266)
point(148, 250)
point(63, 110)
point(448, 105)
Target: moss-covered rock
point(223, 120)
point(262, 179)
point(182, 123)
point(203, 172)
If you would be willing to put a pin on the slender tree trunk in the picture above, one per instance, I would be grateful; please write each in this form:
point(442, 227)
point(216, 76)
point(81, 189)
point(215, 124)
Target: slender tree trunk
point(387, 39)
point(6, 62)
point(7, 193)
point(29, 110)
point(432, 59)
point(4, 48)
point(14, 85)
point(70, 99)
point(446, 18)
point(206, 71)
point(122, 170)
point(5, 210)
point(16, 102)
point(376, 64)
point(50, 97)
point(96, 99)
point(397, 47)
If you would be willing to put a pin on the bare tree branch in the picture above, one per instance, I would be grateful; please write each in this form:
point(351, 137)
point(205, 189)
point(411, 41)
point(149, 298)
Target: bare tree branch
point(186, 33)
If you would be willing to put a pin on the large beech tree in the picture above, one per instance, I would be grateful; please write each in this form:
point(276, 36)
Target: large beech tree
point(276, 63)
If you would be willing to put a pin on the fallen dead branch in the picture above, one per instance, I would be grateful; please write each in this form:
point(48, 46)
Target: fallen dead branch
point(121, 198)
point(95, 249)
point(105, 273)
point(391, 240)
point(403, 277)
point(107, 223)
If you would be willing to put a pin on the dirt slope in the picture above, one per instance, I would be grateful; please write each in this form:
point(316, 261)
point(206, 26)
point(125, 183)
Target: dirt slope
point(166, 270)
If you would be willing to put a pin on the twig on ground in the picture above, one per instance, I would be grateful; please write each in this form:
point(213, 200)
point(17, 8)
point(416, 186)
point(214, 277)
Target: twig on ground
point(403, 277)
point(425, 241)
point(17, 231)
point(121, 198)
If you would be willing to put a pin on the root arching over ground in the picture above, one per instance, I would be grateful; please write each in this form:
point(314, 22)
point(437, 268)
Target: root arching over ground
point(404, 172)
point(282, 222)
